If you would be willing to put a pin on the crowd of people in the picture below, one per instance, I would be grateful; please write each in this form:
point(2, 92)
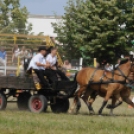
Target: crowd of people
point(21, 53)
point(48, 58)
point(107, 66)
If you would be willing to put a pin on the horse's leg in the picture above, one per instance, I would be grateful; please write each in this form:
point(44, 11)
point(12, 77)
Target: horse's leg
point(108, 95)
point(90, 101)
point(111, 106)
point(128, 101)
point(73, 107)
point(78, 105)
point(76, 102)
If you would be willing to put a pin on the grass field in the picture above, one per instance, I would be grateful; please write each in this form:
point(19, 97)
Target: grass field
point(13, 121)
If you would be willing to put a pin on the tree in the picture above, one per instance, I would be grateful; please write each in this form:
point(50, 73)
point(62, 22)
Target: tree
point(13, 19)
point(93, 28)
point(127, 21)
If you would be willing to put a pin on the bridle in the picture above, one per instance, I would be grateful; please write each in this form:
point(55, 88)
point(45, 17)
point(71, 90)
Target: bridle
point(123, 75)
point(111, 80)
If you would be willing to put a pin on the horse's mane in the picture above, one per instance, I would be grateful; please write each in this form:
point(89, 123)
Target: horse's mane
point(123, 61)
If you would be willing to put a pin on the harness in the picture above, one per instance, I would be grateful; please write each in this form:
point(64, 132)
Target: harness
point(111, 80)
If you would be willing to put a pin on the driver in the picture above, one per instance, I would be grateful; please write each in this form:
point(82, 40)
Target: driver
point(51, 59)
point(39, 65)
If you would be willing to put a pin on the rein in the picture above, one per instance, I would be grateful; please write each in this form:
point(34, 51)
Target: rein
point(126, 77)
point(111, 80)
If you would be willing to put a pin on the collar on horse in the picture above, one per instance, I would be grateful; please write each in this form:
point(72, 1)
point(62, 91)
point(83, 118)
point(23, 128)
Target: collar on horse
point(111, 80)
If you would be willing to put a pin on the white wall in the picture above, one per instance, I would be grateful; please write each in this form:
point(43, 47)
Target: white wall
point(42, 25)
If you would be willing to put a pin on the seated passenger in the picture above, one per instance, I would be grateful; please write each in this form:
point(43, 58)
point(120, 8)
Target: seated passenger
point(52, 60)
point(39, 65)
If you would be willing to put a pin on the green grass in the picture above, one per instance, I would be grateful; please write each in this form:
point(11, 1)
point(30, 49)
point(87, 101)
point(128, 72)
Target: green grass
point(13, 121)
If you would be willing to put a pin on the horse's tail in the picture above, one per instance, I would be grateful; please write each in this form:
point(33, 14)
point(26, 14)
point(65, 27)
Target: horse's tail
point(75, 77)
point(73, 88)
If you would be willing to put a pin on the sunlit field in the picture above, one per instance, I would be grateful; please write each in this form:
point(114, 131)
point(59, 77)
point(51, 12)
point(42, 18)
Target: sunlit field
point(13, 121)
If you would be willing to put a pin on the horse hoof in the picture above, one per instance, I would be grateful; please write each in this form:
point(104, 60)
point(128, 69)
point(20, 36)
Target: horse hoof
point(91, 112)
point(109, 106)
point(71, 111)
point(112, 114)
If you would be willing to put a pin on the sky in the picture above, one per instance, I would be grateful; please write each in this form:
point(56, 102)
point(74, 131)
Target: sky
point(44, 7)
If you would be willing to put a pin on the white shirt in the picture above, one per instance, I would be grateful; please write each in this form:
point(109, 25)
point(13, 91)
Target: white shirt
point(16, 52)
point(52, 60)
point(109, 68)
point(39, 58)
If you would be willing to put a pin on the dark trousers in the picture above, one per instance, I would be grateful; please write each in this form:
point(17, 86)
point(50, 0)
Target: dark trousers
point(41, 74)
point(60, 73)
point(52, 77)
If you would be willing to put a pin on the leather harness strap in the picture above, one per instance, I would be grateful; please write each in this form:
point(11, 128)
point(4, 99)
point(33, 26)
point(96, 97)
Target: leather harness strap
point(91, 79)
point(111, 80)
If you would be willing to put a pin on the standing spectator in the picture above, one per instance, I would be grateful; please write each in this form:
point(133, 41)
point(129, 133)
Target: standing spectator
point(2, 56)
point(34, 53)
point(67, 65)
point(118, 63)
point(108, 67)
point(28, 58)
point(23, 54)
point(15, 52)
point(29, 53)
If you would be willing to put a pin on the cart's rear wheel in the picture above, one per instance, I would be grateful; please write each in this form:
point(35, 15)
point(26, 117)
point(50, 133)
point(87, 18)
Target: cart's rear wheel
point(23, 100)
point(37, 103)
point(60, 105)
point(3, 101)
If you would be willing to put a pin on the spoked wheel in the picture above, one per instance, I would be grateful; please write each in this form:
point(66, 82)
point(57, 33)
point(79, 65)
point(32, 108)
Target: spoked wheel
point(3, 101)
point(37, 103)
point(23, 100)
point(59, 105)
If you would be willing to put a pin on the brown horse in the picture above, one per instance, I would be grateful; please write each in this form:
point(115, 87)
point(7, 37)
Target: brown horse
point(124, 96)
point(107, 84)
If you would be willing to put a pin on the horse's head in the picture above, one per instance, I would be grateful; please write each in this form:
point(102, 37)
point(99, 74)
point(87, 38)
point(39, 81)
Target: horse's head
point(126, 68)
point(130, 63)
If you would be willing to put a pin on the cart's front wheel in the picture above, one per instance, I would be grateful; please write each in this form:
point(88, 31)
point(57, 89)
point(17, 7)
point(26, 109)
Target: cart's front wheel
point(3, 101)
point(37, 103)
point(59, 105)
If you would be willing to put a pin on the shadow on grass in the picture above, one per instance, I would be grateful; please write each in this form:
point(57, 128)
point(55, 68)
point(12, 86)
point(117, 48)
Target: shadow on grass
point(108, 115)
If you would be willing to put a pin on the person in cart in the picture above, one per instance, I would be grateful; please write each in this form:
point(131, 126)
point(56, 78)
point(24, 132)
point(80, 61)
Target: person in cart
point(39, 65)
point(51, 59)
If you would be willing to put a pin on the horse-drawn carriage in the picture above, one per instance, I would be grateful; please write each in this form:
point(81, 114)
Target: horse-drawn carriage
point(30, 94)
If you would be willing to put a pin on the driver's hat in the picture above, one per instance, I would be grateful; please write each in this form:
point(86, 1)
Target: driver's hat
point(42, 48)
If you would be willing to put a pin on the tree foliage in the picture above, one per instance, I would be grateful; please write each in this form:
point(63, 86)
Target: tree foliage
point(96, 28)
point(13, 19)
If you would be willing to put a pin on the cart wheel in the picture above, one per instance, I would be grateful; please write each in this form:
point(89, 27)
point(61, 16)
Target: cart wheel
point(37, 103)
point(3, 101)
point(60, 106)
point(23, 101)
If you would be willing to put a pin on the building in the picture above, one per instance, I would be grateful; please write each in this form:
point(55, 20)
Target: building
point(43, 24)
